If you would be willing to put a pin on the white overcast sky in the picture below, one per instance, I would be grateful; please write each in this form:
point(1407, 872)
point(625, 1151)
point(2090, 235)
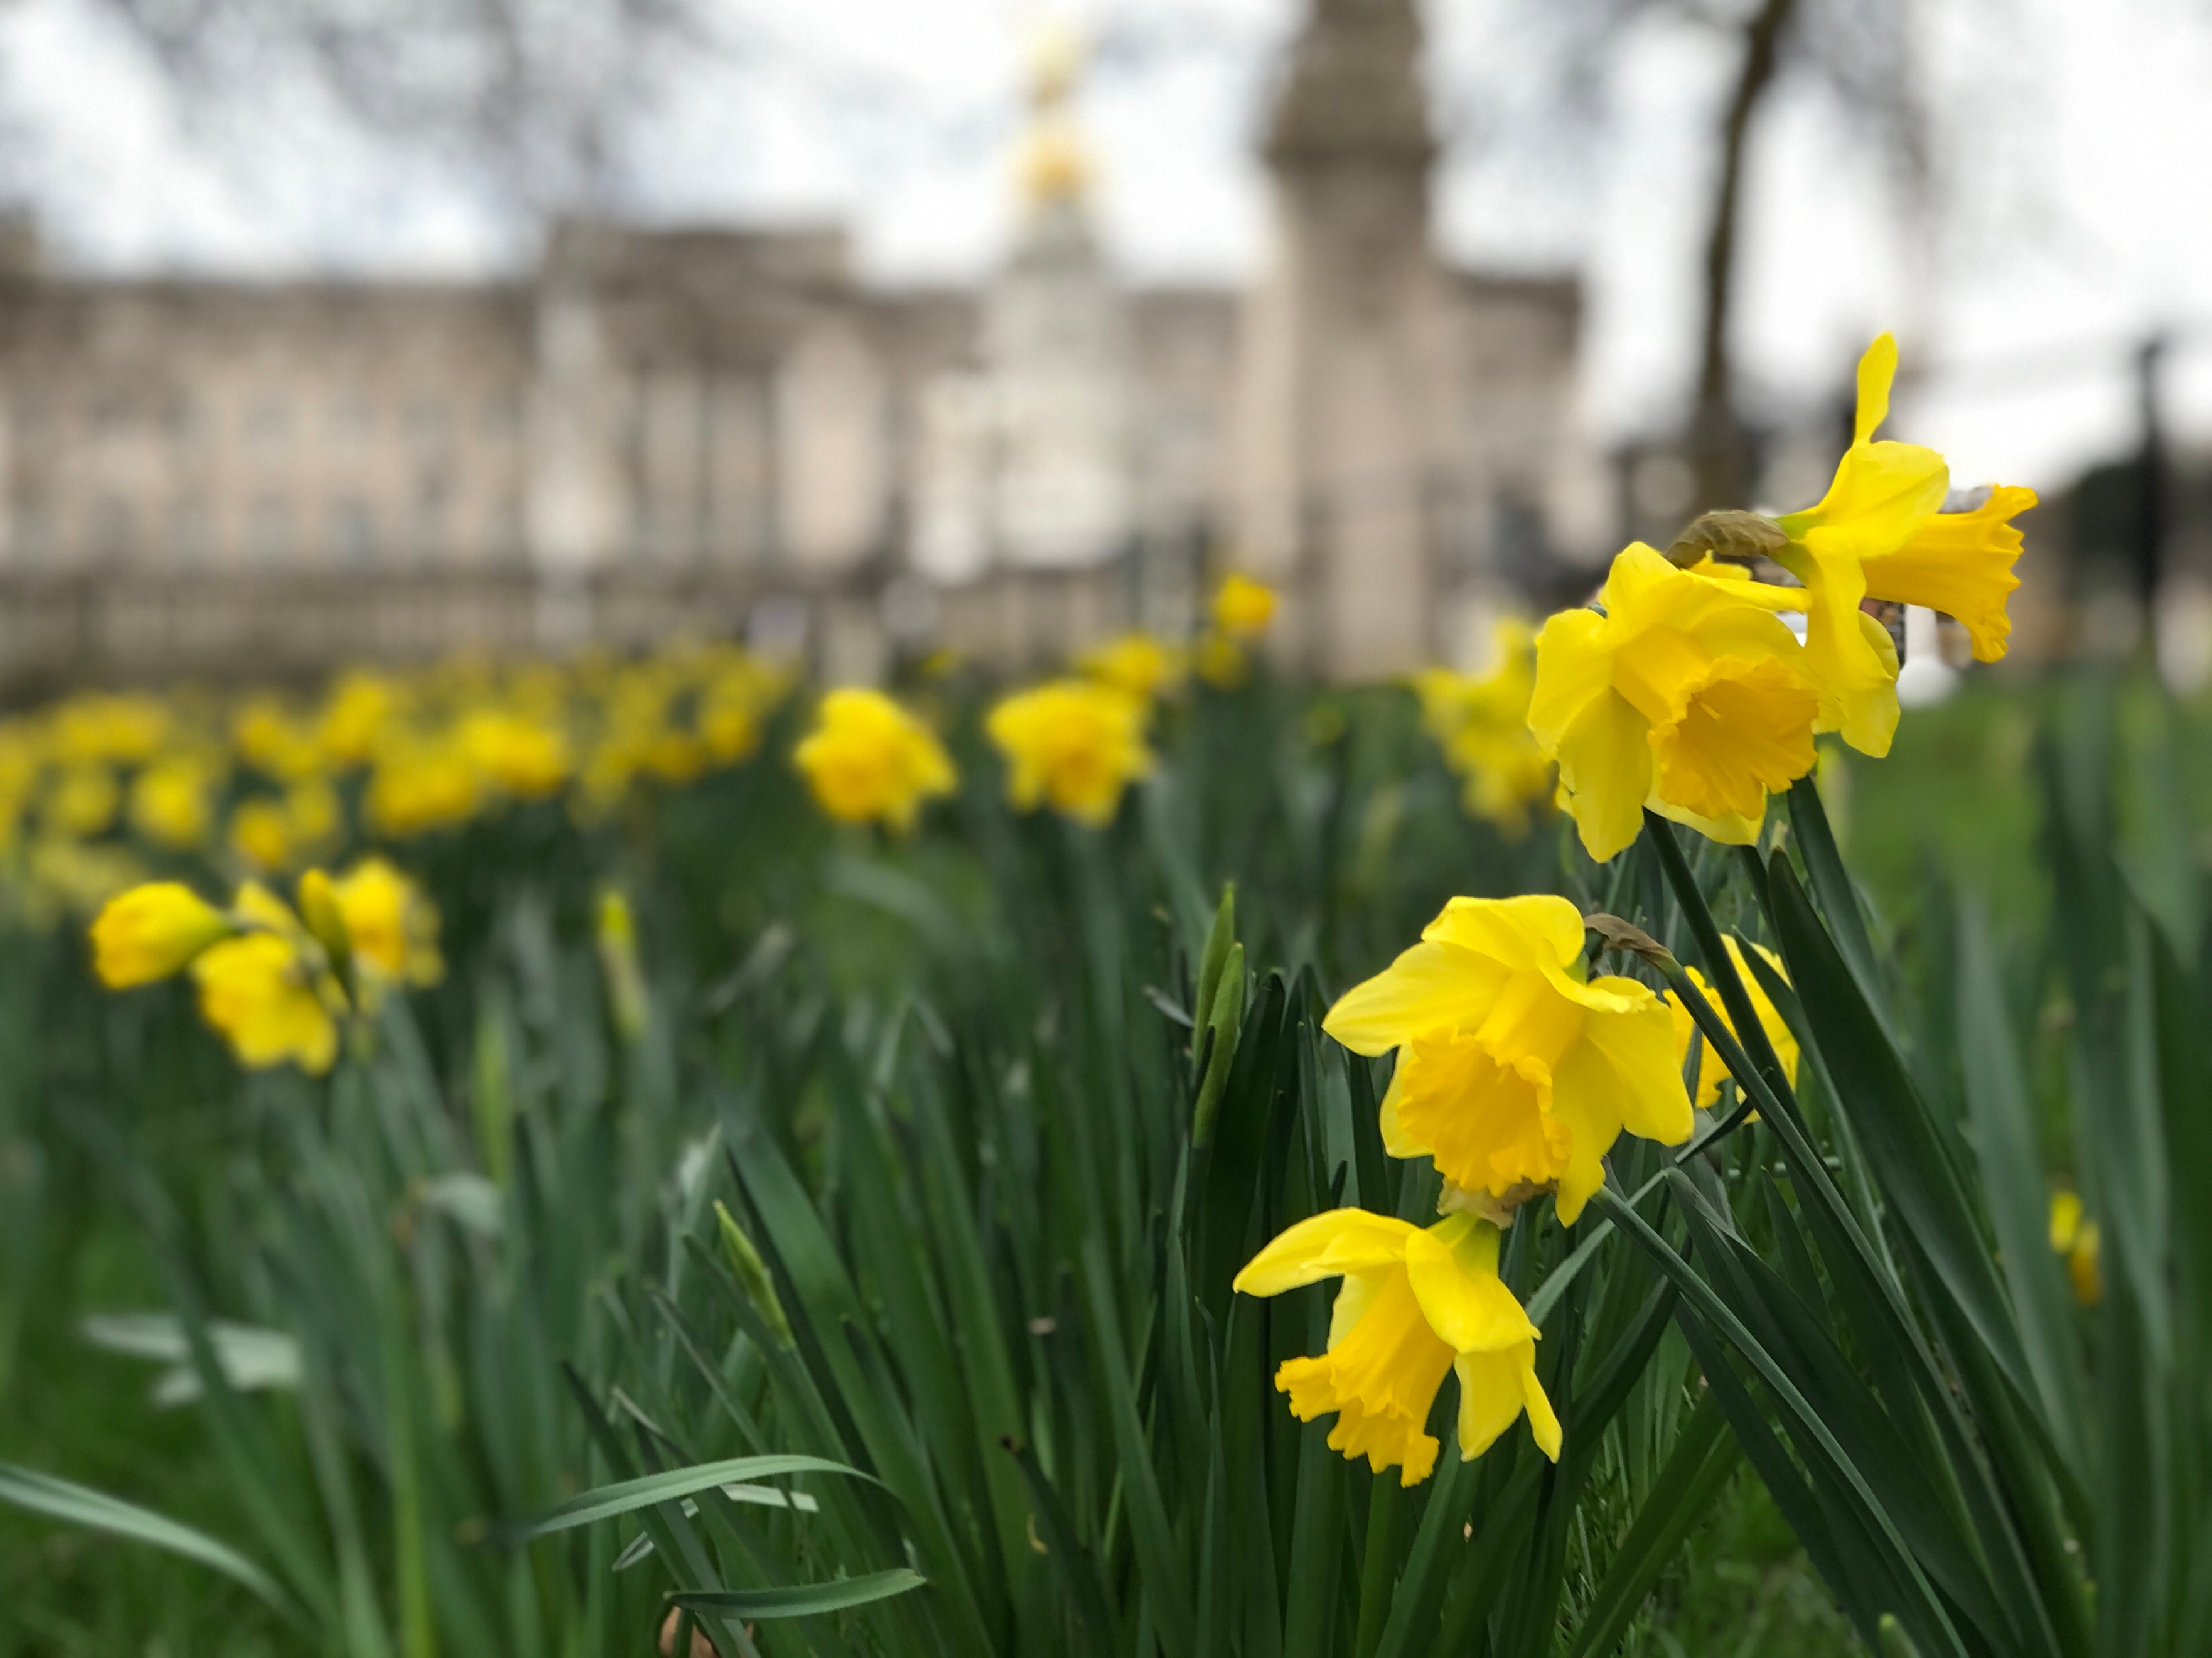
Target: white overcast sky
point(2073, 140)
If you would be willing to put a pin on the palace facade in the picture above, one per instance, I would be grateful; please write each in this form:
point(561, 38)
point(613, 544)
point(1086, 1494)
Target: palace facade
point(728, 430)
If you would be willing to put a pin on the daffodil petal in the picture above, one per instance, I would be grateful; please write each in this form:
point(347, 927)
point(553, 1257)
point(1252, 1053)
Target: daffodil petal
point(1430, 987)
point(1572, 672)
point(1626, 1061)
point(1960, 564)
point(1605, 773)
point(1466, 1305)
point(1877, 372)
point(1535, 930)
point(1330, 1245)
point(1494, 1389)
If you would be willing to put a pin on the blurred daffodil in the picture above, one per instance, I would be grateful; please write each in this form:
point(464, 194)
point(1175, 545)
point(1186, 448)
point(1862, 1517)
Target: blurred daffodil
point(1071, 743)
point(391, 926)
point(1415, 1305)
point(109, 729)
point(1242, 608)
point(2075, 1237)
point(261, 833)
point(260, 994)
point(269, 990)
point(868, 760)
point(152, 932)
point(1138, 665)
point(171, 804)
point(419, 785)
point(267, 737)
point(1684, 692)
point(82, 801)
point(1513, 1073)
point(1480, 722)
point(524, 757)
point(355, 720)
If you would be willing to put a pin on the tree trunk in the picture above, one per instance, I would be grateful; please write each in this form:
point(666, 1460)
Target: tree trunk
point(1716, 437)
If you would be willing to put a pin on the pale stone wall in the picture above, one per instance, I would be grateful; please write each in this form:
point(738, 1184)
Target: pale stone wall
point(157, 426)
point(675, 426)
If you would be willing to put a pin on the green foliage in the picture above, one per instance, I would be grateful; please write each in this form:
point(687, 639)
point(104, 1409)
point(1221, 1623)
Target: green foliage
point(870, 1293)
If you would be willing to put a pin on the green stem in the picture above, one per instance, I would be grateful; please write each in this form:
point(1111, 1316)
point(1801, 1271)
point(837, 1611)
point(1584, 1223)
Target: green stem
point(1379, 1565)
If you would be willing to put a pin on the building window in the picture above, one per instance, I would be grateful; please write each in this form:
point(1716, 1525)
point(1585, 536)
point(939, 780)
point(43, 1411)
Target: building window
point(269, 533)
point(189, 536)
point(114, 525)
point(34, 536)
point(353, 533)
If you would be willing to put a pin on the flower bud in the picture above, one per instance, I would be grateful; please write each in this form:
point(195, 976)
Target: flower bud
point(752, 1276)
point(152, 932)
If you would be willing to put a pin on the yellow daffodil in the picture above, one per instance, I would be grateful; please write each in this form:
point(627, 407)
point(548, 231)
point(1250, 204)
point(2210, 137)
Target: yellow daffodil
point(1243, 607)
point(268, 739)
point(2076, 1239)
point(732, 704)
point(1513, 1073)
point(82, 801)
point(1414, 1305)
point(868, 760)
point(524, 757)
point(391, 927)
point(320, 914)
point(1481, 724)
point(1711, 1070)
point(1072, 743)
point(1137, 665)
point(419, 785)
point(152, 932)
point(674, 756)
point(1686, 693)
point(355, 720)
point(169, 803)
point(261, 833)
point(103, 728)
point(268, 990)
point(261, 994)
point(1879, 533)
point(729, 726)
point(315, 813)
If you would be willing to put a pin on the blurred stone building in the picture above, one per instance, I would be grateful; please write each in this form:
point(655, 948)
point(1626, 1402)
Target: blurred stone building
point(726, 431)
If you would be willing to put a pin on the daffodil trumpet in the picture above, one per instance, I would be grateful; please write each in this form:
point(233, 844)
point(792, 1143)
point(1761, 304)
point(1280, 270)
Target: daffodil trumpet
point(1879, 533)
point(1683, 692)
point(1515, 1071)
point(1416, 1304)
